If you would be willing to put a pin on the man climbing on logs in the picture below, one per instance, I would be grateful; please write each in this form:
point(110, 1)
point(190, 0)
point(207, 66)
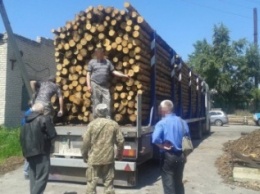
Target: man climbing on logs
point(98, 75)
point(47, 89)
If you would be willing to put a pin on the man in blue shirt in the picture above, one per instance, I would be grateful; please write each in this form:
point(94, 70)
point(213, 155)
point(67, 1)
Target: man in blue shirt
point(168, 136)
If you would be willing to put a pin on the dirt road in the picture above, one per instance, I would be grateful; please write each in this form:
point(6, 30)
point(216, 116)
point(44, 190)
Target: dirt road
point(200, 177)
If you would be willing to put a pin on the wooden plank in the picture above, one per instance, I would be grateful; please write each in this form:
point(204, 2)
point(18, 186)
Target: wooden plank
point(246, 174)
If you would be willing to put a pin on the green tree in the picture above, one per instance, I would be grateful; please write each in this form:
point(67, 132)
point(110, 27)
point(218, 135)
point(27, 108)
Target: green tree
point(224, 67)
point(255, 93)
point(252, 60)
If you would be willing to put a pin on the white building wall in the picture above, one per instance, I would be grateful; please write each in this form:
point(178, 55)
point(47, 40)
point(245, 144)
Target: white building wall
point(38, 57)
point(3, 62)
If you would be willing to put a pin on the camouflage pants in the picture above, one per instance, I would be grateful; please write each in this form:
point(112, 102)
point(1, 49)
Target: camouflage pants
point(106, 173)
point(100, 95)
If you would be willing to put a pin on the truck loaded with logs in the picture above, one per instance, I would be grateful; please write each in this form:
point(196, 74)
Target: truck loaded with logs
point(156, 72)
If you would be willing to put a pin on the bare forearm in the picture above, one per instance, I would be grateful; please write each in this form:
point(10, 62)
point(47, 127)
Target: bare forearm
point(164, 147)
point(32, 84)
point(61, 103)
point(119, 74)
point(88, 79)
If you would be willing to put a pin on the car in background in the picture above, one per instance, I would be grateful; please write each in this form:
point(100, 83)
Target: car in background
point(256, 118)
point(218, 117)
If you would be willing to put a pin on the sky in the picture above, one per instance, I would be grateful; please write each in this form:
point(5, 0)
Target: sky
point(179, 22)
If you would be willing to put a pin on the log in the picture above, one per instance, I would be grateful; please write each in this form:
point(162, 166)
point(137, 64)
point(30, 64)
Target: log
point(82, 80)
point(129, 98)
point(131, 104)
point(123, 95)
point(119, 87)
point(115, 96)
point(123, 111)
point(130, 82)
point(132, 118)
point(130, 111)
point(118, 117)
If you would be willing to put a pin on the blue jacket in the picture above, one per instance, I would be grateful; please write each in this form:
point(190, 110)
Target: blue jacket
point(170, 129)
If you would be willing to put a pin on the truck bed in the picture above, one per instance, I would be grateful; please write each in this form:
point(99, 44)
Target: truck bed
point(78, 130)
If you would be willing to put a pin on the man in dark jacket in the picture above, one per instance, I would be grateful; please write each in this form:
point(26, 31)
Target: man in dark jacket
point(36, 136)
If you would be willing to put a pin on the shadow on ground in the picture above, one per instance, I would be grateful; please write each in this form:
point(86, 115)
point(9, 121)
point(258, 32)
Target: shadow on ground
point(197, 142)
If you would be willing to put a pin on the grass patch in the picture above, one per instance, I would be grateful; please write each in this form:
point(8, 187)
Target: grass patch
point(9, 143)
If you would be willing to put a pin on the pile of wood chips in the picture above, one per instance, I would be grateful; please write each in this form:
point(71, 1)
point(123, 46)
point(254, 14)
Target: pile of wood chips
point(248, 146)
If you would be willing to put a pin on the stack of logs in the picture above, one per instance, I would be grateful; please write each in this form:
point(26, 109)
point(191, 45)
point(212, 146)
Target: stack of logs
point(124, 35)
point(126, 38)
point(163, 84)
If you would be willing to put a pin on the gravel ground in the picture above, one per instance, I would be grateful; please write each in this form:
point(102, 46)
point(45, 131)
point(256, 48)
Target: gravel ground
point(200, 176)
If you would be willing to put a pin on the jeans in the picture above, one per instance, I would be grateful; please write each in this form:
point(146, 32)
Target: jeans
point(26, 168)
point(172, 173)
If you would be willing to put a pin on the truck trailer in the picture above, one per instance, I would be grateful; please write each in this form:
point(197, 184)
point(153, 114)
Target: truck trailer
point(190, 95)
point(67, 163)
point(170, 78)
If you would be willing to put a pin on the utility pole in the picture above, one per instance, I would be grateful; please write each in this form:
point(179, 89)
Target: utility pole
point(13, 44)
point(256, 47)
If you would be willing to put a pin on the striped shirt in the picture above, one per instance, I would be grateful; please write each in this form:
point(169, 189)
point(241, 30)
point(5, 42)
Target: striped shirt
point(100, 71)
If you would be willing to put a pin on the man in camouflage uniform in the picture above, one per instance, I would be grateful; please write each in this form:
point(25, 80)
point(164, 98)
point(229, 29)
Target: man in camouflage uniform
point(98, 150)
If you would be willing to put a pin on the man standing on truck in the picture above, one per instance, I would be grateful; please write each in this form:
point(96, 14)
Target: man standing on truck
point(46, 90)
point(168, 136)
point(98, 75)
point(98, 150)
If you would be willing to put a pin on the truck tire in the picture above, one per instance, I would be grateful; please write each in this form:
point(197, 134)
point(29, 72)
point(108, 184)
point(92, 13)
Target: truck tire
point(199, 131)
point(207, 131)
point(218, 122)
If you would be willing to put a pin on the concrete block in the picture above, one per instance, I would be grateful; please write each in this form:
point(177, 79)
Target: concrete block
point(246, 174)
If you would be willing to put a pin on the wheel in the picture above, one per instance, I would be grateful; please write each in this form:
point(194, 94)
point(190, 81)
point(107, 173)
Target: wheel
point(207, 130)
point(199, 134)
point(199, 131)
point(218, 123)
